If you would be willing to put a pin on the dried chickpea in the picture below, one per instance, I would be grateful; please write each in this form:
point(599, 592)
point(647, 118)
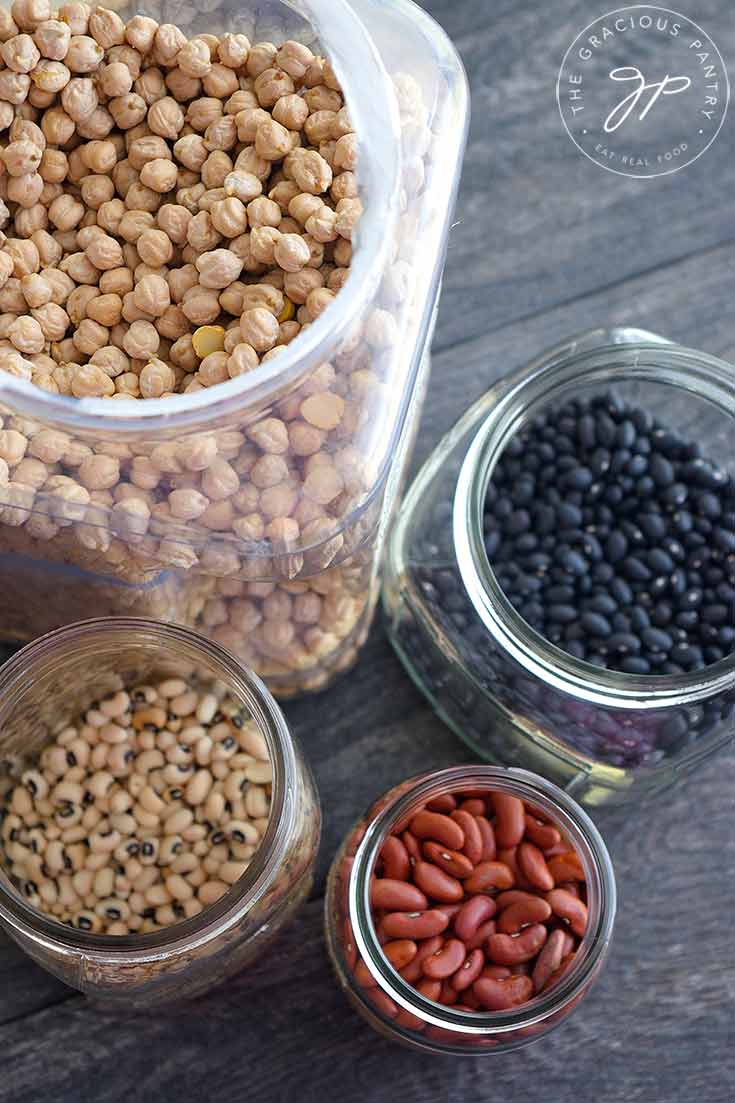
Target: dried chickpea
point(159, 175)
point(152, 295)
point(166, 118)
point(154, 247)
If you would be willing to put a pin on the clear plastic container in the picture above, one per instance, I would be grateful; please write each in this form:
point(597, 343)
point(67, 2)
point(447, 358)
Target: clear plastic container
point(49, 682)
point(294, 610)
point(393, 1007)
point(513, 696)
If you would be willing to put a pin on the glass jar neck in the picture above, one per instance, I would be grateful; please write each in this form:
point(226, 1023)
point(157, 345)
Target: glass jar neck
point(56, 657)
point(556, 378)
point(574, 824)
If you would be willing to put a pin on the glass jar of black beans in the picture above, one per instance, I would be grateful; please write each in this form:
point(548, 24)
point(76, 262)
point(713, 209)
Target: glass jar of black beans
point(561, 579)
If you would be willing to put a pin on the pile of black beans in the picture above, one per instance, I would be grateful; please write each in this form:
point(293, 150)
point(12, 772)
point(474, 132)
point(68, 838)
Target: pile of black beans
point(615, 539)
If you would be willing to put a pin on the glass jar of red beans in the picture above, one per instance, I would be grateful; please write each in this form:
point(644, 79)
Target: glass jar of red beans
point(470, 909)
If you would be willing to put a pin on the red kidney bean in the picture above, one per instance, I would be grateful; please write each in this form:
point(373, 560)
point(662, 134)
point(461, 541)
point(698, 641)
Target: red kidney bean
point(448, 995)
point(509, 856)
point(505, 949)
point(566, 963)
point(571, 887)
point(520, 969)
point(472, 848)
point(470, 1002)
point(446, 961)
point(396, 862)
point(571, 909)
point(500, 995)
point(524, 912)
point(411, 1022)
point(468, 971)
point(532, 865)
point(437, 884)
point(488, 876)
point(474, 806)
point(416, 925)
point(561, 847)
point(414, 971)
point(450, 910)
point(380, 932)
point(445, 802)
point(471, 914)
point(430, 989)
point(569, 942)
point(542, 834)
point(487, 834)
point(481, 935)
point(566, 867)
point(514, 896)
point(412, 845)
point(400, 953)
point(510, 819)
point(548, 960)
point(452, 862)
point(363, 976)
point(397, 896)
point(383, 1003)
point(440, 828)
point(496, 972)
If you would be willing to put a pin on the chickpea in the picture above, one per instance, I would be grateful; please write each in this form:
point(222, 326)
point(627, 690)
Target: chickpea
point(152, 295)
point(128, 110)
point(292, 112)
point(166, 118)
point(27, 335)
point(79, 99)
point(159, 175)
point(14, 87)
point(104, 252)
point(97, 190)
point(84, 54)
point(191, 151)
point(173, 220)
point(106, 27)
point(20, 53)
point(169, 40)
point(115, 79)
point(141, 340)
point(140, 32)
point(194, 58)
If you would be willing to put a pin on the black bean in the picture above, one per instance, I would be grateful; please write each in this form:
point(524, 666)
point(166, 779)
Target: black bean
point(562, 614)
point(634, 664)
point(596, 624)
point(621, 591)
point(656, 639)
point(653, 526)
point(635, 569)
point(606, 430)
point(603, 603)
point(715, 614)
point(625, 643)
point(616, 546)
point(659, 560)
point(569, 515)
point(661, 470)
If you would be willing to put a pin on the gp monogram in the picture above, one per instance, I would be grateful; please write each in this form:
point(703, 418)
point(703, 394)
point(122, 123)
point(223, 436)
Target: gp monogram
point(643, 91)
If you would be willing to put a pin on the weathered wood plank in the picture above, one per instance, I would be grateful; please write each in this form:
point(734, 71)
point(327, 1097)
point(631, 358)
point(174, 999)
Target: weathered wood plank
point(537, 223)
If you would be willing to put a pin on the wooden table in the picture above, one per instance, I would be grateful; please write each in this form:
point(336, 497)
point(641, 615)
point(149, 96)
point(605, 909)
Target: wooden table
point(545, 244)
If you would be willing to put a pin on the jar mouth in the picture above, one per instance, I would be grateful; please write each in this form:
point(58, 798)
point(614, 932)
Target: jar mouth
point(368, 92)
point(88, 638)
point(575, 825)
point(543, 383)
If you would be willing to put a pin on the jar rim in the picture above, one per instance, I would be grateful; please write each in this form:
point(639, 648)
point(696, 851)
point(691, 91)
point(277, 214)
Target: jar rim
point(373, 107)
point(89, 636)
point(576, 826)
point(571, 365)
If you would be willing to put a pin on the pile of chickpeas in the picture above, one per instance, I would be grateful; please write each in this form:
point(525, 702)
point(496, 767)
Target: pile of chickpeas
point(142, 812)
point(174, 211)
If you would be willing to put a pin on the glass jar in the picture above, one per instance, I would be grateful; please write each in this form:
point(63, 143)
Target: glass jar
point(294, 602)
point(514, 697)
point(394, 1007)
point(49, 683)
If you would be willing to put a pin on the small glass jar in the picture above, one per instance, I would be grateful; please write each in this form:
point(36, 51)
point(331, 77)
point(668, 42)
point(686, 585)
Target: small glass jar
point(50, 682)
point(513, 696)
point(394, 1007)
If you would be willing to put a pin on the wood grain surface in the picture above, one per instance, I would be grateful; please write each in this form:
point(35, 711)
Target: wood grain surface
point(546, 244)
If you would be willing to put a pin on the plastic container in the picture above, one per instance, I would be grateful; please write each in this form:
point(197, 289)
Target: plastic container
point(295, 612)
point(52, 680)
point(511, 695)
point(395, 1008)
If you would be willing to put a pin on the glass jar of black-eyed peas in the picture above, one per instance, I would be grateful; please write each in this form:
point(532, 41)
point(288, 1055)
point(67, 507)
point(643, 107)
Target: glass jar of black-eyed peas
point(157, 821)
